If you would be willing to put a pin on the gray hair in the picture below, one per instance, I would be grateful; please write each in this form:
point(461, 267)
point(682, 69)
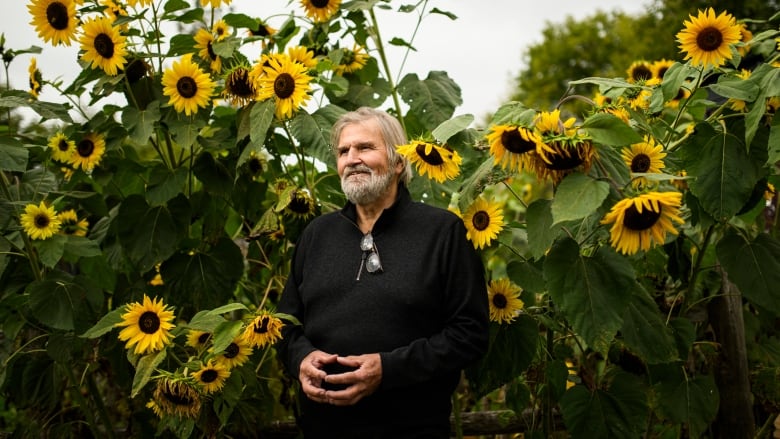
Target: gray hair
point(392, 133)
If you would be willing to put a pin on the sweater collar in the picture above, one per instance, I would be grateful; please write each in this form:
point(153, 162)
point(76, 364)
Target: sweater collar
point(388, 215)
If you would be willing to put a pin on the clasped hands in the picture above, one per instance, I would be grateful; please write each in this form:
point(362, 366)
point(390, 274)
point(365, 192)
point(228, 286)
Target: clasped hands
point(361, 381)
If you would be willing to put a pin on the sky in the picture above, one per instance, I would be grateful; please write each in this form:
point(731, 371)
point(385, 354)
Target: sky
point(481, 50)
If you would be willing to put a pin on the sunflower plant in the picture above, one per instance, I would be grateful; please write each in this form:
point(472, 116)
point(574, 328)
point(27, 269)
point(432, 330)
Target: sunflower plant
point(148, 225)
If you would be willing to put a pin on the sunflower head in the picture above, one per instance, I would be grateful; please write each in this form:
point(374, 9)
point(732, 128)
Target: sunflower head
point(484, 221)
point(660, 67)
point(320, 10)
point(440, 163)
point(302, 55)
point(352, 60)
point(286, 82)
point(641, 222)
point(146, 325)
point(264, 330)
point(198, 339)
point(204, 41)
point(54, 20)
point(707, 38)
point(40, 222)
point(175, 396)
point(644, 157)
point(301, 204)
point(557, 158)
point(187, 86)
point(70, 224)
point(240, 86)
point(103, 45)
point(89, 151)
point(512, 146)
point(35, 78)
point(504, 300)
point(235, 354)
point(211, 376)
point(639, 71)
point(61, 147)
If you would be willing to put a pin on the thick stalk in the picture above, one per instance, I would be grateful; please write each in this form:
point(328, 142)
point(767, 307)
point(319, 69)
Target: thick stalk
point(386, 67)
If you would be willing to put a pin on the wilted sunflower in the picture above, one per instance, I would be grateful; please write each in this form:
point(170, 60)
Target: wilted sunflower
point(88, 152)
point(352, 60)
point(175, 397)
point(211, 376)
point(40, 222)
point(641, 222)
point(70, 224)
point(62, 148)
point(504, 300)
point(54, 20)
point(236, 354)
point(660, 67)
point(187, 86)
point(240, 86)
point(301, 204)
point(706, 38)
point(287, 83)
point(561, 149)
point(203, 42)
point(264, 330)
point(35, 78)
point(639, 71)
point(147, 325)
point(198, 339)
point(320, 10)
point(214, 3)
point(439, 162)
point(302, 55)
point(483, 221)
point(644, 157)
point(103, 45)
point(512, 146)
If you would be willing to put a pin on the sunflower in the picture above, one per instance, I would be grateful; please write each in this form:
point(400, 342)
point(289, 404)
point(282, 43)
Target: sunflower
point(682, 94)
point(681, 183)
point(54, 20)
point(147, 325)
point(35, 78)
point(141, 3)
point(639, 71)
point(641, 222)
point(257, 164)
point(214, 3)
point(70, 224)
point(619, 112)
point(114, 10)
point(287, 83)
point(262, 30)
point(740, 105)
point(439, 162)
point(483, 221)
point(103, 45)
point(352, 60)
point(175, 397)
point(240, 86)
point(40, 222)
point(220, 30)
point(198, 339)
point(320, 10)
point(203, 42)
point(745, 37)
point(504, 300)
point(62, 148)
point(644, 157)
point(88, 152)
point(302, 55)
point(510, 146)
point(236, 354)
point(660, 67)
point(706, 38)
point(187, 86)
point(211, 376)
point(264, 330)
point(301, 204)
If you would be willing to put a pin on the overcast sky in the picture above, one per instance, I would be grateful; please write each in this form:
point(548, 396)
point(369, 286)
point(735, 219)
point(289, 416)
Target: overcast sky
point(481, 50)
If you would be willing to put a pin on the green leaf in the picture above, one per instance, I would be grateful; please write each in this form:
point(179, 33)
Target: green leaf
point(186, 133)
point(215, 176)
point(684, 399)
point(241, 20)
point(754, 266)
point(79, 246)
point(148, 234)
point(260, 118)
point(165, 184)
point(449, 128)
point(55, 302)
point(13, 155)
point(206, 321)
point(225, 333)
point(400, 42)
point(140, 124)
point(767, 79)
point(230, 307)
point(225, 48)
point(17, 98)
point(527, 275)
point(645, 332)
point(50, 250)
point(591, 292)
point(144, 370)
point(578, 196)
point(432, 100)
point(735, 88)
point(313, 138)
point(618, 412)
point(485, 175)
point(541, 232)
point(608, 129)
point(105, 324)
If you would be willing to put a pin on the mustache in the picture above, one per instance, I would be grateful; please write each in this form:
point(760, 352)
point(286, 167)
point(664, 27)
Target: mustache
point(358, 168)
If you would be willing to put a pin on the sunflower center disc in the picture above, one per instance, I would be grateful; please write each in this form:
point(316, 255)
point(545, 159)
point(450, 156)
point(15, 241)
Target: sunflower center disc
point(284, 85)
point(433, 159)
point(640, 221)
point(231, 351)
point(41, 221)
point(209, 376)
point(62, 146)
point(57, 15)
point(104, 46)
point(515, 143)
point(187, 87)
point(262, 328)
point(640, 163)
point(480, 220)
point(149, 322)
point(320, 3)
point(709, 39)
point(85, 148)
point(239, 83)
point(499, 301)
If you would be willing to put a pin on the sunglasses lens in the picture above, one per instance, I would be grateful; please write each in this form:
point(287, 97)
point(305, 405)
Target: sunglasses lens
point(367, 242)
point(373, 264)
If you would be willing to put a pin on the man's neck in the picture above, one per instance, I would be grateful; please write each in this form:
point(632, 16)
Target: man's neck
point(368, 214)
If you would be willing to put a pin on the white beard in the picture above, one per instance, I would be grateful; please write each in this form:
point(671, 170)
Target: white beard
point(365, 188)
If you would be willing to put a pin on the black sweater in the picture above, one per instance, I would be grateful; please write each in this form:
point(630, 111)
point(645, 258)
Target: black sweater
point(426, 314)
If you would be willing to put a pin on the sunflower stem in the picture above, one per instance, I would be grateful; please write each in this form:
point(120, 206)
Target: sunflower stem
point(699, 258)
point(102, 412)
point(82, 403)
point(386, 67)
point(299, 154)
point(169, 146)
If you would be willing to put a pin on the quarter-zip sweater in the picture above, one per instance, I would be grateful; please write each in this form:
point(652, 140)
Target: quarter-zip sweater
point(425, 313)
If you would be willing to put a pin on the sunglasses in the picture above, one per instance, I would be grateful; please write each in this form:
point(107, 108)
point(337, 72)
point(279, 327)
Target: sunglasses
point(370, 258)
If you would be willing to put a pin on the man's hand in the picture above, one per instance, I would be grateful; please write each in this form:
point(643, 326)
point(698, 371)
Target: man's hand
point(311, 374)
point(361, 382)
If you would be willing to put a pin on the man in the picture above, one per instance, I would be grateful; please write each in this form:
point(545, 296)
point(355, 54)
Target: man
point(391, 297)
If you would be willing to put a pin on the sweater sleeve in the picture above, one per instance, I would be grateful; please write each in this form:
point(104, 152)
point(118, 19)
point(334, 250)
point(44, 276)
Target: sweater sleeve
point(464, 336)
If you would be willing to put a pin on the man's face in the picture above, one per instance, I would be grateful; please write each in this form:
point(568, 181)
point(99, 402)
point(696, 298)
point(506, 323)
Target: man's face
point(362, 163)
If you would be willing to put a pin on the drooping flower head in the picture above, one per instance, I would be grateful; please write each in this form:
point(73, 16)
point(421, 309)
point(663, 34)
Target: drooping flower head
point(211, 376)
point(641, 222)
point(89, 150)
point(707, 38)
point(504, 300)
point(438, 162)
point(103, 45)
point(146, 325)
point(198, 339)
point(187, 86)
point(264, 330)
point(484, 221)
point(40, 222)
point(644, 157)
point(62, 148)
point(35, 78)
point(240, 86)
point(352, 60)
point(175, 397)
point(70, 224)
point(320, 10)
point(512, 146)
point(287, 83)
point(301, 204)
point(562, 149)
point(54, 20)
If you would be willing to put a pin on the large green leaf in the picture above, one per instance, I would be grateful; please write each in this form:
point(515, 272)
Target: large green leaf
point(432, 100)
point(13, 155)
point(754, 266)
point(449, 128)
point(527, 275)
point(148, 234)
point(541, 232)
point(140, 124)
point(56, 302)
point(50, 251)
point(106, 323)
point(725, 171)
point(312, 138)
point(578, 196)
point(144, 369)
point(592, 292)
point(608, 129)
point(48, 110)
point(618, 412)
point(645, 332)
point(690, 400)
point(767, 79)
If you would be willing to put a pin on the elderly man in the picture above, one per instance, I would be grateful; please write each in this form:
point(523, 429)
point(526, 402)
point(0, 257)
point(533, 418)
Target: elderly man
point(391, 297)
